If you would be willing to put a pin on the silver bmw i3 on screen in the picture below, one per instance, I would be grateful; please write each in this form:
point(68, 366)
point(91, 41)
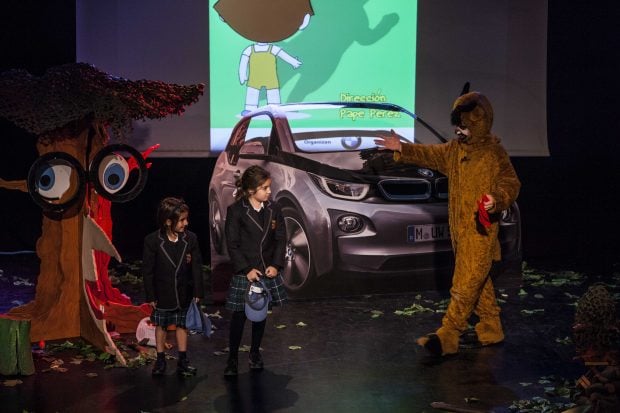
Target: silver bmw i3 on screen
point(348, 207)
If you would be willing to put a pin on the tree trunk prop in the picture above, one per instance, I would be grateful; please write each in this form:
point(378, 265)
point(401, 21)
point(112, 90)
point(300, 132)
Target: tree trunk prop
point(69, 108)
point(67, 303)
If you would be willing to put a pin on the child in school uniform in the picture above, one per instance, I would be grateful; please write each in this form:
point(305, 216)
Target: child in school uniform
point(256, 241)
point(172, 271)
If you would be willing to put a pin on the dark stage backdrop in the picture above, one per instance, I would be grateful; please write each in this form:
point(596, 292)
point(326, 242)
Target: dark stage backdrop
point(569, 200)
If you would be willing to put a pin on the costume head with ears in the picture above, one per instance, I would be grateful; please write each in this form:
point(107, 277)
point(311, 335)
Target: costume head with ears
point(473, 111)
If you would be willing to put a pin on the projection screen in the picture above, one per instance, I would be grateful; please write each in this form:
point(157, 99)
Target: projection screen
point(417, 54)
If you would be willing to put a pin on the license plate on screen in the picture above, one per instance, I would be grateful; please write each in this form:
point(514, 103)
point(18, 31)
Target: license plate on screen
point(428, 232)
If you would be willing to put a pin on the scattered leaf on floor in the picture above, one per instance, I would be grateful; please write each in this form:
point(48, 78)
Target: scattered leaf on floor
point(566, 340)
point(534, 311)
point(215, 315)
point(376, 313)
point(413, 309)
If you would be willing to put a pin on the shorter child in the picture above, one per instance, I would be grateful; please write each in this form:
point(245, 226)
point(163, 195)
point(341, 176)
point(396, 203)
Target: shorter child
point(172, 270)
point(256, 240)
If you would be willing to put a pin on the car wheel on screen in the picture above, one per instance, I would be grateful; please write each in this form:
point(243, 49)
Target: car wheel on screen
point(216, 225)
point(299, 267)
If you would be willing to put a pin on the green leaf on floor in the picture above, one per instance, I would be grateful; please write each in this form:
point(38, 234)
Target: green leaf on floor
point(414, 309)
point(376, 313)
point(566, 340)
point(532, 312)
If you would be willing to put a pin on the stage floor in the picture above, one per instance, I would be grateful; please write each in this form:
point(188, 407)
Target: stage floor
point(350, 354)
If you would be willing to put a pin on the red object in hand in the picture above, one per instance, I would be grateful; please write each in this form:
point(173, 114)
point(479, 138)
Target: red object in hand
point(483, 215)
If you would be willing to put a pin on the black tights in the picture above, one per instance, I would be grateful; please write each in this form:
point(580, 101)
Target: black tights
point(237, 323)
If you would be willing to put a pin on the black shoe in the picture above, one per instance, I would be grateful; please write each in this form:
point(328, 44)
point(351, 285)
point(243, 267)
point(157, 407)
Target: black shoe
point(469, 339)
point(159, 368)
point(184, 369)
point(256, 361)
point(231, 367)
point(433, 345)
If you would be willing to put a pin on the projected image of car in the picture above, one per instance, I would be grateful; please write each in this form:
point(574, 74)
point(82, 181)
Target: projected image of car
point(348, 207)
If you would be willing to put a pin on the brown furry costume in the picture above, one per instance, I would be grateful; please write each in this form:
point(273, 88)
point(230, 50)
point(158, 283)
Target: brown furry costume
point(475, 165)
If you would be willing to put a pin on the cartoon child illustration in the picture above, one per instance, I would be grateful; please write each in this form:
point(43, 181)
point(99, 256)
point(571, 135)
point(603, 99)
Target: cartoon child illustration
point(264, 22)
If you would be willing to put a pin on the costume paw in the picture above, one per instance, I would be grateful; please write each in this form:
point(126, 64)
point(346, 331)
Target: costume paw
point(431, 343)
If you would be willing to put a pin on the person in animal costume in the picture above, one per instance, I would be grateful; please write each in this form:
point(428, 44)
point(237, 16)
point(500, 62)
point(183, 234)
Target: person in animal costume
point(482, 183)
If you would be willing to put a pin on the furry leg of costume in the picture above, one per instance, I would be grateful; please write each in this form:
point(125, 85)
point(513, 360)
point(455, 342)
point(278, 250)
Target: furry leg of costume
point(472, 289)
point(489, 328)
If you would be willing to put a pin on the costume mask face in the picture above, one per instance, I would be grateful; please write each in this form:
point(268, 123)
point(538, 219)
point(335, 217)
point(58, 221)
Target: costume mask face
point(473, 111)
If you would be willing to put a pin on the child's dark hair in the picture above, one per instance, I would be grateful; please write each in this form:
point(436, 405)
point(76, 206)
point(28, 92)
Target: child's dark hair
point(170, 209)
point(251, 179)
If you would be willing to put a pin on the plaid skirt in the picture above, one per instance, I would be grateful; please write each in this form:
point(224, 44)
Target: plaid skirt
point(167, 318)
point(239, 285)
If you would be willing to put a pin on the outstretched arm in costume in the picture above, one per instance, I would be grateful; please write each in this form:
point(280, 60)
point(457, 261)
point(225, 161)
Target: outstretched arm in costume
point(427, 156)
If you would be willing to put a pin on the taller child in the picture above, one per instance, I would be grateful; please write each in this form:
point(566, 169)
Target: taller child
point(256, 241)
point(479, 171)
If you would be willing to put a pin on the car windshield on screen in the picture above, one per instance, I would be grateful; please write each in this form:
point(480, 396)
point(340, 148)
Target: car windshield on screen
point(345, 127)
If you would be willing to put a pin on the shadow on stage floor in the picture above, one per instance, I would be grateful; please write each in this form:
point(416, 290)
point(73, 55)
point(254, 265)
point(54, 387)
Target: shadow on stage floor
point(339, 354)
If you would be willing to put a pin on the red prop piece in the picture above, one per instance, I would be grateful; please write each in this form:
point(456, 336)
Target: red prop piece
point(483, 215)
point(132, 163)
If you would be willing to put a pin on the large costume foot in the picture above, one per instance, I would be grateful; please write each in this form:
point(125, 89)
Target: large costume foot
point(469, 339)
point(432, 344)
point(489, 331)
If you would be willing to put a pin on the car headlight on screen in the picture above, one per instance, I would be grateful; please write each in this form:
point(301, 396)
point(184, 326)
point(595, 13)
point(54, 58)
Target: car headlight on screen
point(340, 189)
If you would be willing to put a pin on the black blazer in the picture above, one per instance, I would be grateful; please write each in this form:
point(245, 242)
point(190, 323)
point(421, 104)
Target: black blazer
point(172, 285)
point(253, 244)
